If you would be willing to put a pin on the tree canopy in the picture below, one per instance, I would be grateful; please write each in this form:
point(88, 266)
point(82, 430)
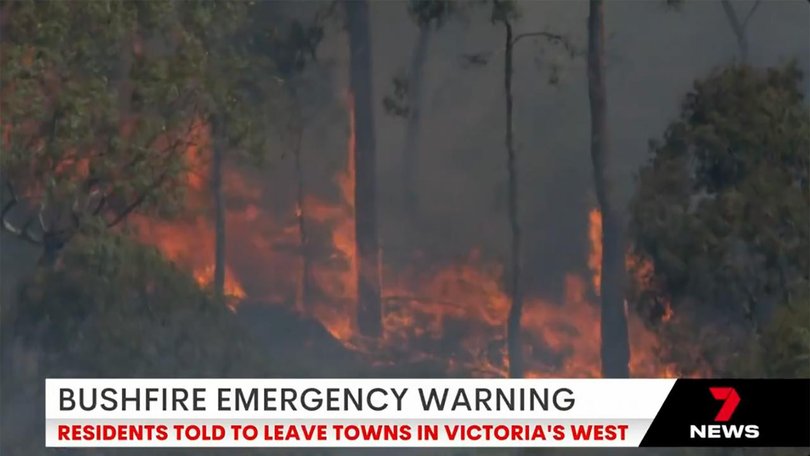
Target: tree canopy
point(102, 100)
point(99, 101)
point(721, 209)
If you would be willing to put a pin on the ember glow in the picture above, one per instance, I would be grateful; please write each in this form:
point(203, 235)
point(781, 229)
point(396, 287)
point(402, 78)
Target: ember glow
point(595, 253)
point(642, 269)
point(189, 242)
point(451, 315)
point(336, 278)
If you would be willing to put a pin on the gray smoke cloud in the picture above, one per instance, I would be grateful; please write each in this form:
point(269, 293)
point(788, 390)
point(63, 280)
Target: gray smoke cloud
point(654, 55)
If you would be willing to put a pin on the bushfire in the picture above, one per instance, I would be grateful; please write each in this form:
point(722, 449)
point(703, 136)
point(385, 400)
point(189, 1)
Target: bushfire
point(454, 314)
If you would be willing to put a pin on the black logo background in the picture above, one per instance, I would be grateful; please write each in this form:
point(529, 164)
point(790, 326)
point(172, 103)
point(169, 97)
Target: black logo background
point(780, 407)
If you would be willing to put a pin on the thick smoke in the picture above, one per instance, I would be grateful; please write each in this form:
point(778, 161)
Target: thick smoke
point(654, 52)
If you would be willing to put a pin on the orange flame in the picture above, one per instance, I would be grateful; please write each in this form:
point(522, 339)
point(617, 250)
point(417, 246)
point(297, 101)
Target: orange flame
point(642, 268)
point(173, 238)
point(336, 278)
point(643, 341)
point(595, 254)
point(464, 307)
point(452, 315)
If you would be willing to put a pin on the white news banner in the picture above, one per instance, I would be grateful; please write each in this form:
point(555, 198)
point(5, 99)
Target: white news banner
point(351, 412)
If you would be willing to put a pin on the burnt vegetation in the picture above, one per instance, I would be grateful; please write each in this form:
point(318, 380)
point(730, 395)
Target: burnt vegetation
point(214, 189)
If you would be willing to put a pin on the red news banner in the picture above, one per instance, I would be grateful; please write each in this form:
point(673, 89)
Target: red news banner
point(426, 412)
point(371, 434)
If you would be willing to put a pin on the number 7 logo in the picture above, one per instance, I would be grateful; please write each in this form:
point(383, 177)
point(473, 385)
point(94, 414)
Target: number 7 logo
point(730, 400)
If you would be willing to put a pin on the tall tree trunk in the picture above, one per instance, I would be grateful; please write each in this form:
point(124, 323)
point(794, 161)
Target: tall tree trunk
point(369, 308)
point(304, 286)
point(738, 28)
point(513, 337)
point(411, 152)
point(219, 212)
point(615, 344)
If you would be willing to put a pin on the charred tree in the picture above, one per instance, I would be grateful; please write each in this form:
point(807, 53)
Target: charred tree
point(503, 11)
point(369, 306)
point(219, 211)
point(411, 152)
point(615, 345)
point(513, 335)
point(303, 238)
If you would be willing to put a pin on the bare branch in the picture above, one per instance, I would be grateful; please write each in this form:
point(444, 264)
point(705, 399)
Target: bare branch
point(169, 150)
point(737, 27)
point(483, 58)
point(476, 59)
point(41, 217)
point(138, 200)
point(732, 17)
point(751, 13)
point(22, 232)
point(553, 37)
point(101, 201)
point(11, 202)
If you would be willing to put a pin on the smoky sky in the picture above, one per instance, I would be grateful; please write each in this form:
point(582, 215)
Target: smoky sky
point(654, 54)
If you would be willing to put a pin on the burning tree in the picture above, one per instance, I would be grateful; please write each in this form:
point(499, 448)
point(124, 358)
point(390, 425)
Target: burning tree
point(291, 57)
point(240, 83)
point(615, 343)
point(101, 107)
point(100, 124)
point(99, 103)
point(369, 303)
point(505, 12)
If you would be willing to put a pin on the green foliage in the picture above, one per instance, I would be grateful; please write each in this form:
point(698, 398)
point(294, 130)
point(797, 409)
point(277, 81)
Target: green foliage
point(96, 106)
point(397, 103)
point(291, 43)
point(113, 307)
point(782, 350)
point(786, 341)
point(504, 11)
point(434, 13)
point(102, 100)
point(247, 59)
point(722, 208)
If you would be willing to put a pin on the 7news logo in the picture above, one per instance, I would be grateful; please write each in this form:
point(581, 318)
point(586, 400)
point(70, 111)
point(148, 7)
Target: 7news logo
point(731, 399)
